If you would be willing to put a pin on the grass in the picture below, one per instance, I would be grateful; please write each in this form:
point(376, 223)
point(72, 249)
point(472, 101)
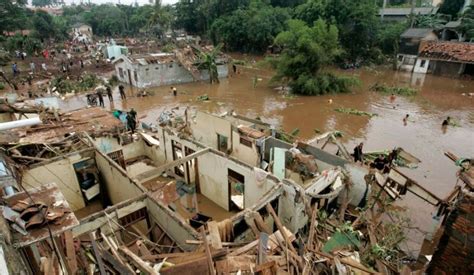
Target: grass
point(385, 89)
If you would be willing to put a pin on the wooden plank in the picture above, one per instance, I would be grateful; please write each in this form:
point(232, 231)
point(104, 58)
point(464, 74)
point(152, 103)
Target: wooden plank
point(280, 226)
point(312, 227)
point(212, 271)
point(196, 267)
point(216, 242)
point(261, 223)
point(70, 252)
point(264, 266)
point(116, 263)
point(137, 261)
point(97, 254)
point(113, 247)
point(262, 248)
point(251, 223)
point(143, 249)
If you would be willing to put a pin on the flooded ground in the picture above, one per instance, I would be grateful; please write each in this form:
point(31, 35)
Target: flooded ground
point(438, 98)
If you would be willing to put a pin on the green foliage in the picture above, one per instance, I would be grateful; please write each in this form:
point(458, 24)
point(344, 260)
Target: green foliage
point(250, 30)
point(389, 35)
point(356, 112)
point(306, 52)
point(467, 23)
point(2, 86)
point(404, 91)
point(44, 25)
point(85, 83)
point(433, 21)
point(23, 43)
point(106, 20)
point(451, 7)
point(113, 80)
point(207, 61)
point(12, 15)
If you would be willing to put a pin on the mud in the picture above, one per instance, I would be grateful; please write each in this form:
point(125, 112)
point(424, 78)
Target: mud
point(438, 97)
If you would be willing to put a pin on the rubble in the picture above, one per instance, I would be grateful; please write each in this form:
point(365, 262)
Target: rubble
point(171, 200)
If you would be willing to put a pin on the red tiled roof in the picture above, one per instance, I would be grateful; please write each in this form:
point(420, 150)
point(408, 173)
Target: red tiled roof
point(449, 51)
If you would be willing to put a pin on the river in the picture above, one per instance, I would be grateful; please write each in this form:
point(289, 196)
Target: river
point(438, 97)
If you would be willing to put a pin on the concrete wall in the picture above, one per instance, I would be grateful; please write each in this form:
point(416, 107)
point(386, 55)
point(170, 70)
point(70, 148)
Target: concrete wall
point(447, 68)
point(62, 173)
point(213, 174)
point(244, 153)
point(161, 74)
point(419, 68)
point(119, 186)
point(176, 228)
point(205, 128)
point(291, 209)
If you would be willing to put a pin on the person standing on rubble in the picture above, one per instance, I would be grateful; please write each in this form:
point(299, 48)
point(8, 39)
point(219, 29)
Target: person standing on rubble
point(101, 98)
point(122, 92)
point(358, 154)
point(132, 120)
point(109, 94)
point(32, 67)
point(15, 69)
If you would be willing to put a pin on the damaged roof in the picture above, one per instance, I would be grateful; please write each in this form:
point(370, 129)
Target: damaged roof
point(147, 59)
point(461, 52)
point(416, 33)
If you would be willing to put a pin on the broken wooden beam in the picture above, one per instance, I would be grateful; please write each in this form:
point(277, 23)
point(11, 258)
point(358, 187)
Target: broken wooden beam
point(97, 254)
point(214, 235)
point(212, 270)
point(137, 261)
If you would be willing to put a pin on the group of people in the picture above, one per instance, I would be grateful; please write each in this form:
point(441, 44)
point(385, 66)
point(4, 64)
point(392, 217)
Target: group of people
point(382, 162)
point(108, 92)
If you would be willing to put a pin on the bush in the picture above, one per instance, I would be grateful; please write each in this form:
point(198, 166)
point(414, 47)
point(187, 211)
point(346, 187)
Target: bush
point(2, 86)
point(382, 88)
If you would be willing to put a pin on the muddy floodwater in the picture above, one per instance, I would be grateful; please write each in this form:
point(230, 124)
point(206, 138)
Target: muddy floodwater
point(438, 97)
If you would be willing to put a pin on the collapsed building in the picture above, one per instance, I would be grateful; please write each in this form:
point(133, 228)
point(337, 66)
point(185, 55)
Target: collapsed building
point(197, 194)
point(158, 69)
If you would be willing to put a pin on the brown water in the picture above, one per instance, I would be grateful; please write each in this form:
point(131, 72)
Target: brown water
point(438, 97)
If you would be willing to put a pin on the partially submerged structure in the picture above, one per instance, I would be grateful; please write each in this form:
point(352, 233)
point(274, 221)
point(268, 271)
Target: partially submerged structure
point(158, 69)
point(192, 198)
point(446, 58)
point(410, 41)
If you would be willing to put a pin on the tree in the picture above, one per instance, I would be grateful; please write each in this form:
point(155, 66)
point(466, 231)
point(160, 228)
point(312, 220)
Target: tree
point(208, 61)
point(106, 19)
point(44, 25)
point(250, 30)
point(160, 18)
point(451, 7)
point(12, 15)
point(310, 11)
point(467, 23)
point(433, 21)
point(306, 53)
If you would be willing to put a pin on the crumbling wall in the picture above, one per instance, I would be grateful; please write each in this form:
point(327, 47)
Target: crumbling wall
point(455, 252)
point(111, 144)
point(205, 128)
point(243, 152)
point(63, 174)
point(213, 178)
point(291, 209)
point(118, 185)
point(176, 228)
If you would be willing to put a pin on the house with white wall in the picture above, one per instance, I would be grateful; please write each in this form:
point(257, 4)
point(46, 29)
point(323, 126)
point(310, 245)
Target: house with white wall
point(158, 69)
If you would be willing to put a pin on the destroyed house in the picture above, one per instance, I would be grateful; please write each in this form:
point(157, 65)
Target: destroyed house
point(446, 58)
point(409, 45)
point(158, 69)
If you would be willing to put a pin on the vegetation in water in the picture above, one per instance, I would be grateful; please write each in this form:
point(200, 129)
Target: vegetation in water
point(403, 91)
point(352, 111)
point(307, 51)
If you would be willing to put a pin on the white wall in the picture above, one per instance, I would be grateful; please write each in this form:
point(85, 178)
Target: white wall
point(205, 128)
point(119, 186)
point(63, 174)
point(244, 153)
point(421, 69)
point(213, 174)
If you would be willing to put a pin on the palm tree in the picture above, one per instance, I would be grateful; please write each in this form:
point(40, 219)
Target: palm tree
point(160, 17)
point(467, 23)
point(207, 61)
